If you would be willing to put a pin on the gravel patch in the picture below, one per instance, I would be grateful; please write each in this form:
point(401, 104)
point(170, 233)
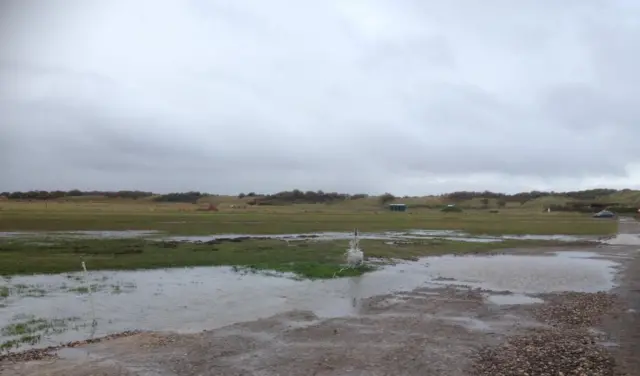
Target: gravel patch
point(546, 352)
point(576, 309)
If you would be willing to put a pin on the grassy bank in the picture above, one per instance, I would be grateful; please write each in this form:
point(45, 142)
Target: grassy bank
point(185, 219)
point(305, 258)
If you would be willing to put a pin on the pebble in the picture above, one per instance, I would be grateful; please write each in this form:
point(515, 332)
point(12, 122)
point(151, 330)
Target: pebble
point(546, 352)
point(576, 309)
point(565, 349)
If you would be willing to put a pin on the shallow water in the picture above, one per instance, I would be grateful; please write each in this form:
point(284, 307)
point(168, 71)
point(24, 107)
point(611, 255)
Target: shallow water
point(564, 271)
point(624, 239)
point(194, 299)
point(329, 235)
point(513, 299)
point(125, 234)
point(390, 235)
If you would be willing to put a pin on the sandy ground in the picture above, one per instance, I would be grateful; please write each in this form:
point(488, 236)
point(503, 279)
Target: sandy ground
point(443, 331)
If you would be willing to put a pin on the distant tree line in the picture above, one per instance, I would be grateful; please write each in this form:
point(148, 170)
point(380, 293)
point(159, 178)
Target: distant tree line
point(52, 195)
point(583, 201)
point(186, 197)
point(297, 196)
point(586, 201)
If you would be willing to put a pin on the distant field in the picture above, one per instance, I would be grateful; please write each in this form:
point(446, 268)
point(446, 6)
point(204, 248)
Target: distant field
point(307, 259)
point(366, 214)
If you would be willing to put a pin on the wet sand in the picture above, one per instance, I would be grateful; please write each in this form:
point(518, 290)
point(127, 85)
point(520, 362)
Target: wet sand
point(430, 330)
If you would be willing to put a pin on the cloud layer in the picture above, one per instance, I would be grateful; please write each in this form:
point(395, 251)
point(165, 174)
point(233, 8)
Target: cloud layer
point(408, 96)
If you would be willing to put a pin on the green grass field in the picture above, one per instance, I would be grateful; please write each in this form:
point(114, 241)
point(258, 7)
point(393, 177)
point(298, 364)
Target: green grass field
point(185, 219)
point(307, 259)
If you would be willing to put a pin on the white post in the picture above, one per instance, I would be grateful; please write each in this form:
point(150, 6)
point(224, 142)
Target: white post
point(86, 280)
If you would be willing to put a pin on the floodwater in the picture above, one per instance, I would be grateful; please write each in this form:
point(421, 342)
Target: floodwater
point(512, 299)
point(193, 299)
point(564, 271)
point(125, 234)
point(390, 235)
point(329, 235)
point(624, 239)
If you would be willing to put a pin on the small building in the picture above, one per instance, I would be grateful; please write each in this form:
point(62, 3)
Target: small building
point(398, 207)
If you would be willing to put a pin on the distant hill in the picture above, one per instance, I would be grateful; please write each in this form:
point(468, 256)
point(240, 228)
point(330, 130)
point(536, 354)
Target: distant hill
point(586, 200)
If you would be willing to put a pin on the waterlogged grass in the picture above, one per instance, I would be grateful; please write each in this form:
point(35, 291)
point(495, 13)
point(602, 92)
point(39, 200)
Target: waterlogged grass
point(306, 270)
point(309, 259)
point(30, 330)
point(83, 289)
point(95, 287)
point(27, 339)
point(184, 219)
point(22, 291)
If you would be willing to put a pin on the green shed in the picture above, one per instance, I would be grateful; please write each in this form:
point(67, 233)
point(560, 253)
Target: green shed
point(398, 207)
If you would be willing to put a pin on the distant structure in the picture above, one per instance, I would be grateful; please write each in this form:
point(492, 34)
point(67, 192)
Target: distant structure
point(398, 207)
point(604, 214)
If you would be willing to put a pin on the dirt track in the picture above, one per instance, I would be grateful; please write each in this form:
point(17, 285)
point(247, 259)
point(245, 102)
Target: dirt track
point(442, 331)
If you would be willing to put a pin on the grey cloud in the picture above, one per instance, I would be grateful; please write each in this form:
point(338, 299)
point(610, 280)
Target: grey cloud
point(407, 96)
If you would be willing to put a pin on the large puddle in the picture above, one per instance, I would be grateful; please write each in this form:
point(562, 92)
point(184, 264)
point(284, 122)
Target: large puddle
point(565, 271)
point(388, 235)
point(60, 309)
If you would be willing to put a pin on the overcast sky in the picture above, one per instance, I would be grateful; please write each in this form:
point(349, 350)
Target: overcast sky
point(407, 96)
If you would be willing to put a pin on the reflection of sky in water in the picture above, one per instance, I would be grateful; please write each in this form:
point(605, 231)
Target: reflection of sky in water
point(192, 299)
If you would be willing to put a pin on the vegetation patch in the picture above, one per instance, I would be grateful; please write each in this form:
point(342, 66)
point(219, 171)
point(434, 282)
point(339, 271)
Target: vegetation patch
point(305, 258)
point(30, 330)
point(22, 290)
point(96, 287)
point(292, 219)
